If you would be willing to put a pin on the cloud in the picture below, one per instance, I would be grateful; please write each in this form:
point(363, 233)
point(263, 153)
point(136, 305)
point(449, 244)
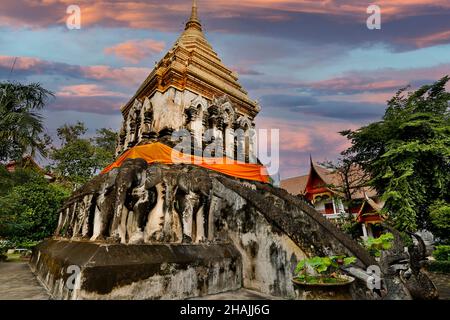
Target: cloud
point(343, 110)
point(245, 71)
point(300, 138)
point(323, 21)
point(285, 105)
point(381, 80)
point(130, 77)
point(136, 50)
point(90, 104)
point(87, 90)
point(433, 39)
point(355, 83)
point(285, 100)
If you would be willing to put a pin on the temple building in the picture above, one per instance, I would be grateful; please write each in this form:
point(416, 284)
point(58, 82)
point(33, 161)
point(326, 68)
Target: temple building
point(190, 88)
point(27, 162)
point(325, 189)
point(150, 227)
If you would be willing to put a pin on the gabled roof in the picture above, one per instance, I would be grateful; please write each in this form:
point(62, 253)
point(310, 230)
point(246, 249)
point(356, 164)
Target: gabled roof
point(295, 185)
point(28, 162)
point(332, 181)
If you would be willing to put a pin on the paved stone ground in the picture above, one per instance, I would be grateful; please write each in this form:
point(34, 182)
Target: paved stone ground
point(17, 282)
point(442, 283)
point(242, 294)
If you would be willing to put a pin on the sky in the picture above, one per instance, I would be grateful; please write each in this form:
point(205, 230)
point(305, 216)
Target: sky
point(314, 66)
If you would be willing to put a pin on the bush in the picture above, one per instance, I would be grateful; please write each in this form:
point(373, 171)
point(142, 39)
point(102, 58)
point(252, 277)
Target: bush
point(440, 219)
point(29, 245)
point(442, 253)
point(439, 266)
point(29, 212)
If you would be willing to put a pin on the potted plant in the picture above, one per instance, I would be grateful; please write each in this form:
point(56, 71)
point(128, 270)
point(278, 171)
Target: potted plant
point(321, 277)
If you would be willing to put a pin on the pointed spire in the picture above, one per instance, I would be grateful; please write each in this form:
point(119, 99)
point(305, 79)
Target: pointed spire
point(194, 14)
point(194, 21)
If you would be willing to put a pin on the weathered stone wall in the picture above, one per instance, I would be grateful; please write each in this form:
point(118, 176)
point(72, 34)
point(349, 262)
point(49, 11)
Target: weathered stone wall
point(269, 256)
point(115, 271)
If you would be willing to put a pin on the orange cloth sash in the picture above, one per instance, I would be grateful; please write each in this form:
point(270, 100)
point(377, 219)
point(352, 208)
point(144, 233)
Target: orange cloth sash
point(158, 152)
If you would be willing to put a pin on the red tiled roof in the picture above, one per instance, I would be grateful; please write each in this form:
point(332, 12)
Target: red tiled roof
point(332, 179)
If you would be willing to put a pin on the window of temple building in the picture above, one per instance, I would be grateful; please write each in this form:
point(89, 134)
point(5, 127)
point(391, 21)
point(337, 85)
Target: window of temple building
point(329, 208)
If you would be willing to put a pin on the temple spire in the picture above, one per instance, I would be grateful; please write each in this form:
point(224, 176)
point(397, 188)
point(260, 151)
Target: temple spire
point(194, 21)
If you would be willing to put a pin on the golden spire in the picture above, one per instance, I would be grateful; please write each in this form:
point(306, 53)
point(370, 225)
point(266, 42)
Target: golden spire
point(194, 22)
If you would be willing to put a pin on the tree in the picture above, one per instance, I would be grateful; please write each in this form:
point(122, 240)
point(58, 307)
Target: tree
point(19, 177)
point(105, 143)
point(407, 154)
point(20, 123)
point(28, 205)
point(30, 211)
point(69, 133)
point(79, 158)
point(351, 179)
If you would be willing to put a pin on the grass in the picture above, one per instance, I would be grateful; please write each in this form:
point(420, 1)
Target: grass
point(14, 257)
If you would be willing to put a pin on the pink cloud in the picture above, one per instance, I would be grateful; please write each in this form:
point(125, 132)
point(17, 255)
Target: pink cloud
point(159, 15)
point(130, 77)
point(433, 39)
point(20, 63)
point(135, 50)
point(379, 87)
point(300, 139)
point(358, 83)
point(87, 90)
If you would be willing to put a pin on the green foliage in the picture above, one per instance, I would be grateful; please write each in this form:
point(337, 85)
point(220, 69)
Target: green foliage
point(4, 246)
point(106, 139)
point(27, 244)
point(79, 158)
point(376, 245)
point(69, 133)
point(349, 225)
point(29, 211)
point(407, 154)
point(442, 253)
point(324, 269)
point(20, 123)
point(18, 177)
point(440, 220)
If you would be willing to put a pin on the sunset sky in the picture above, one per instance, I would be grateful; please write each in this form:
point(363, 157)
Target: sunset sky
point(314, 66)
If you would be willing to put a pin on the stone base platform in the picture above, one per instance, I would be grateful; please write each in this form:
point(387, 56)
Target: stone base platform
point(88, 270)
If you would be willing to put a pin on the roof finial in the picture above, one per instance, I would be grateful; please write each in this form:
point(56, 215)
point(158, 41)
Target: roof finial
point(194, 14)
point(194, 21)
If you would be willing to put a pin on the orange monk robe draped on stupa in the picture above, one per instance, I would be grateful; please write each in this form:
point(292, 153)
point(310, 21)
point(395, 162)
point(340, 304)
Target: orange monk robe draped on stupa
point(158, 152)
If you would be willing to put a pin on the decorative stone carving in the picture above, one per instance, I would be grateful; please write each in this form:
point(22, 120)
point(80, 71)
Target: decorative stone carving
point(147, 128)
